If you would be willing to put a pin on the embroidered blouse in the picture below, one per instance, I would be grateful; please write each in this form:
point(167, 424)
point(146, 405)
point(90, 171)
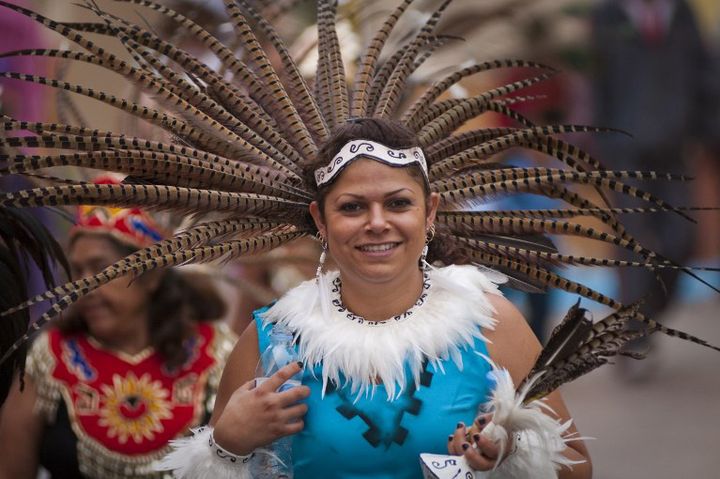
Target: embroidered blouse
point(111, 415)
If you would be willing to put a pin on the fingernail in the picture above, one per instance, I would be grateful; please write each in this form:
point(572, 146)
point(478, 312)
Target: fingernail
point(450, 437)
point(476, 437)
point(300, 364)
point(459, 425)
point(481, 421)
point(465, 446)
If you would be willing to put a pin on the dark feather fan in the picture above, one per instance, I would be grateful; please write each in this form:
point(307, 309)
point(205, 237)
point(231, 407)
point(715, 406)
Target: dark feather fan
point(233, 146)
point(577, 346)
point(24, 241)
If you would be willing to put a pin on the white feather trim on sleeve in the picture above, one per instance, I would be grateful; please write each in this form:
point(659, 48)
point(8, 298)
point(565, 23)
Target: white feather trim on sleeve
point(539, 438)
point(195, 458)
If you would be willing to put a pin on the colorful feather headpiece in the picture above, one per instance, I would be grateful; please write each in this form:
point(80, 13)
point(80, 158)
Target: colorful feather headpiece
point(132, 226)
point(240, 141)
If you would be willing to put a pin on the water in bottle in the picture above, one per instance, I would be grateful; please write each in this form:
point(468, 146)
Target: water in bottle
point(279, 353)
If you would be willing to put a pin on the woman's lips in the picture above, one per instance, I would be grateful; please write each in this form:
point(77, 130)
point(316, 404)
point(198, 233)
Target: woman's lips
point(378, 249)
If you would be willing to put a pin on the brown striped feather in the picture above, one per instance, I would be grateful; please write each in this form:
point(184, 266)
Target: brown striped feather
point(288, 115)
point(200, 234)
point(159, 197)
point(307, 105)
point(390, 96)
point(327, 35)
point(514, 180)
point(440, 119)
point(369, 60)
point(441, 86)
point(197, 255)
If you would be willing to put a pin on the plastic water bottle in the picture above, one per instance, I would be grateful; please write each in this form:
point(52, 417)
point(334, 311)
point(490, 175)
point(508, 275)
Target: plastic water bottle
point(280, 353)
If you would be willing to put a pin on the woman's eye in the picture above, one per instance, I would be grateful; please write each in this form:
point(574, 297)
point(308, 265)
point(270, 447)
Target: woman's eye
point(399, 203)
point(350, 207)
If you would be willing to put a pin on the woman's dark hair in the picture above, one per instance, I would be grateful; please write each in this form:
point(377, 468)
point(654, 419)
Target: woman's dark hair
point(179, 300)
point(395, 135)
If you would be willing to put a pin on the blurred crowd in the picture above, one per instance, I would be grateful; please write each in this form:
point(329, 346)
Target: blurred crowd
point(648, 67)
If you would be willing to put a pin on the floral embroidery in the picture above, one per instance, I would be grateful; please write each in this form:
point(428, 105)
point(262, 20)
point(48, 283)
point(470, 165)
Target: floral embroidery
point(134, 407)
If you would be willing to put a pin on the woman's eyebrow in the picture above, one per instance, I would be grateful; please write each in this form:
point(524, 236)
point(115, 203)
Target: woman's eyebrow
point(397, 191)
point(390, 193)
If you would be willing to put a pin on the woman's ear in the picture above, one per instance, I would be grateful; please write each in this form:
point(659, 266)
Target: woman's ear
point(432, 207)
point(318, 218)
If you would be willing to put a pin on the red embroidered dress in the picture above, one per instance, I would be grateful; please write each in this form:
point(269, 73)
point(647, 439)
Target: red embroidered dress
point(122, 408)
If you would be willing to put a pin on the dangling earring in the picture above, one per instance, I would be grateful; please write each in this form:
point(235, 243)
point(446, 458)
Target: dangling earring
point(321, 280)
point(323, 254)
point(429, 236)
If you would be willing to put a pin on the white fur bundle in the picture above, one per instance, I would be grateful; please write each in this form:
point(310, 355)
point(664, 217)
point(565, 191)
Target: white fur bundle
point(449, 320)
point(193, 458)
point(539, 438)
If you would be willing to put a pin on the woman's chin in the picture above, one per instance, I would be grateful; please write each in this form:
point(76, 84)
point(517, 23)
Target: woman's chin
point(101, 325)
point(380, 273)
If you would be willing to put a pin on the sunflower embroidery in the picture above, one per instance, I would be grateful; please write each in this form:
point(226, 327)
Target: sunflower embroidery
point(134, 407)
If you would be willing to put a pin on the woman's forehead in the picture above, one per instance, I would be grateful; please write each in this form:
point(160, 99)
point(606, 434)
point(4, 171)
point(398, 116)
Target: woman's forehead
point(92, 245)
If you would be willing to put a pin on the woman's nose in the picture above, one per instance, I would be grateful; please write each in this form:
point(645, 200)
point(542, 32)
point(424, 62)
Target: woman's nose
point(377, 219)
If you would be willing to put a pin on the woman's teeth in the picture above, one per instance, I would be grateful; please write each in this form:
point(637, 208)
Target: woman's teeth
point(376, 248)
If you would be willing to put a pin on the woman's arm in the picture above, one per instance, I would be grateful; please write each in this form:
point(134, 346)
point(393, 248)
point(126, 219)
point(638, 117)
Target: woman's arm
point(246, 417)
point(239, 369)
point(20, 432)
point(513, 346)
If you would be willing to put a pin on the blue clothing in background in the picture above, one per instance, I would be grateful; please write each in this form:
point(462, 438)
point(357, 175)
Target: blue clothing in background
point(346, 437)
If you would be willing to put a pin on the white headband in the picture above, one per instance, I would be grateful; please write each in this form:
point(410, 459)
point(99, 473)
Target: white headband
point(369, 149)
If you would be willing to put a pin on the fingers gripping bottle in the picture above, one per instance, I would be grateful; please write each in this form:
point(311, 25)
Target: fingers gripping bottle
point(276, 461)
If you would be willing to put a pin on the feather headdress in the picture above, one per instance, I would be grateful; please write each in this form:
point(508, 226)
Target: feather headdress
point(238, 151)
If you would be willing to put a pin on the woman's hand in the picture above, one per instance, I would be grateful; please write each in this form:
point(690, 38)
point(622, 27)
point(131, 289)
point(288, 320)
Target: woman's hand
point(481, 453)
point(256, 416)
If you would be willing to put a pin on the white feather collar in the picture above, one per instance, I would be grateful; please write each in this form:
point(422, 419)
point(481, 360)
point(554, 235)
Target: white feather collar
point(441, 324)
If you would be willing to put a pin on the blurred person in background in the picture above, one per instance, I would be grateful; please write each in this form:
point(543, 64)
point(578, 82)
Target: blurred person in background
point(651, 80)
point(135, 364)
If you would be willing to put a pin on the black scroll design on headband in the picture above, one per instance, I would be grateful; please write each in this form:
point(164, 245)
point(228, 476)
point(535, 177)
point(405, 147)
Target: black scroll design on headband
point(338, 161)
point(396, 154)
point(355, 147)
point(322, 172)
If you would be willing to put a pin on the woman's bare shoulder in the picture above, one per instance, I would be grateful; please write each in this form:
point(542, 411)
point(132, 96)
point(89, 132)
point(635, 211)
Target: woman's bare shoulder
point(512, 344)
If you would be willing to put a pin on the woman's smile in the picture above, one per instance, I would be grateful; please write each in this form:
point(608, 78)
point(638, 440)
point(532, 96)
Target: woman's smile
point(379, 249)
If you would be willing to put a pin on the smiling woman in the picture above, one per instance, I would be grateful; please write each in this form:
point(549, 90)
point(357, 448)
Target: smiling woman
point(400, 358)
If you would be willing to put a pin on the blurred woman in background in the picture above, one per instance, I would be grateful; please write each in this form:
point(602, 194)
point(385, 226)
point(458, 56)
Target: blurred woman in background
point(135, 364)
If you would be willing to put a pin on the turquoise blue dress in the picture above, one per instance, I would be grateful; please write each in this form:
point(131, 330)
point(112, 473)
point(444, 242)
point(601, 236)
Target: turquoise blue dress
point(380, 439)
